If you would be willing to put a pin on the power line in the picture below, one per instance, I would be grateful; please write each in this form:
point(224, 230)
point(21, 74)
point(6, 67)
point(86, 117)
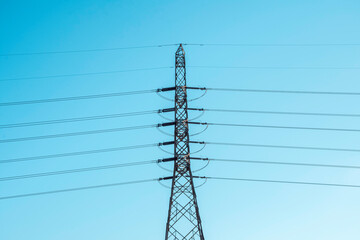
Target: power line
point(104, 150)
point(276, 68)
point(277, 163)
point(280, 146)
point(185, 44)
point(282, 113)
point(283, 91)
point(284, 182)
point(158, 179)
point(117, 115)
point(276, 127)
point(274, 91)
point(85, 74)
point(45, 174)
point(84, 97)
point(67, 120)
point(79, 133)
point(273, 44)
point(87, 50)
point(78, 189)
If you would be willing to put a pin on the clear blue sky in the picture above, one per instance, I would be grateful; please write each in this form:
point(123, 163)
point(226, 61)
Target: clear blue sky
point(229, 210)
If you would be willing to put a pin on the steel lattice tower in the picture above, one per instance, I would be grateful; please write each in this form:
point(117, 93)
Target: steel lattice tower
point(183, 219)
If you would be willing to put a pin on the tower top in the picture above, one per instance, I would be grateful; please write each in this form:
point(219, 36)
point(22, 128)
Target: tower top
point(180, 50)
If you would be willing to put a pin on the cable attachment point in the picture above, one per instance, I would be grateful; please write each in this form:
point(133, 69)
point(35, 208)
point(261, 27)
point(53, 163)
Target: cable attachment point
point(203, 177)
point(159, 161)
point(199, 116)
point(166, 124)
point(196, 109)
point(198, 142)
point(165, 178)
point(165, 89)
point(190, 100)
point(158, 126)
point(203, 159)
point(198, 158)
point(166, 143)
point(194, 134)
point(197, 88)
point(166, 110)
point(166, 160)
point(199, 123)
point(159, 90)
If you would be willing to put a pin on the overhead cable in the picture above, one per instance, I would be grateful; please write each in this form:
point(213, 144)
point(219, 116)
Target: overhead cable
point(85, 74)
point(84, 97)
point(79, 153)
point(77, 189)
point(275, 67)
point(184, 44)
point(278, 146)
point(279, 112)
point(283, 182)
point(110, 130)
point(273, 91)
point(276, 163)
point(78, 119)
point(274, 126)
point(273, 44)
point(77, 170)
point(87, 50)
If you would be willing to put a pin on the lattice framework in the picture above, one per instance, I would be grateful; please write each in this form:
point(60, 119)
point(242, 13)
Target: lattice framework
point(184, 221)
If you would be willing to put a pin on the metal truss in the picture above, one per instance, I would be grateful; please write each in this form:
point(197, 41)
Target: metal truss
point(183, 218)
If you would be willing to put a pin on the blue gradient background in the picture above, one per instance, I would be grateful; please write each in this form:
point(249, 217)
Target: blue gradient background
point(229, 210)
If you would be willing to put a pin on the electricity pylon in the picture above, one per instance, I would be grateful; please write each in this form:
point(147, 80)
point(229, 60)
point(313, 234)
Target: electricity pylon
point(183, 219)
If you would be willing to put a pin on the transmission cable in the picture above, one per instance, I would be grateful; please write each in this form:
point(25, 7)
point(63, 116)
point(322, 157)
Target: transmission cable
point(110, 130)
point(78, 189)
point(278, 146)
point(78, 119)
point(272, 91)
point(276, 127)
point(88, 50)
point(184, 44)
point(84, 97)
point(275, 163)
point(274, 67)
point(280, 181)
point(272, 44)
point(85, 74)
point(45, 174)
point(68, 154)
point(278, 112)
